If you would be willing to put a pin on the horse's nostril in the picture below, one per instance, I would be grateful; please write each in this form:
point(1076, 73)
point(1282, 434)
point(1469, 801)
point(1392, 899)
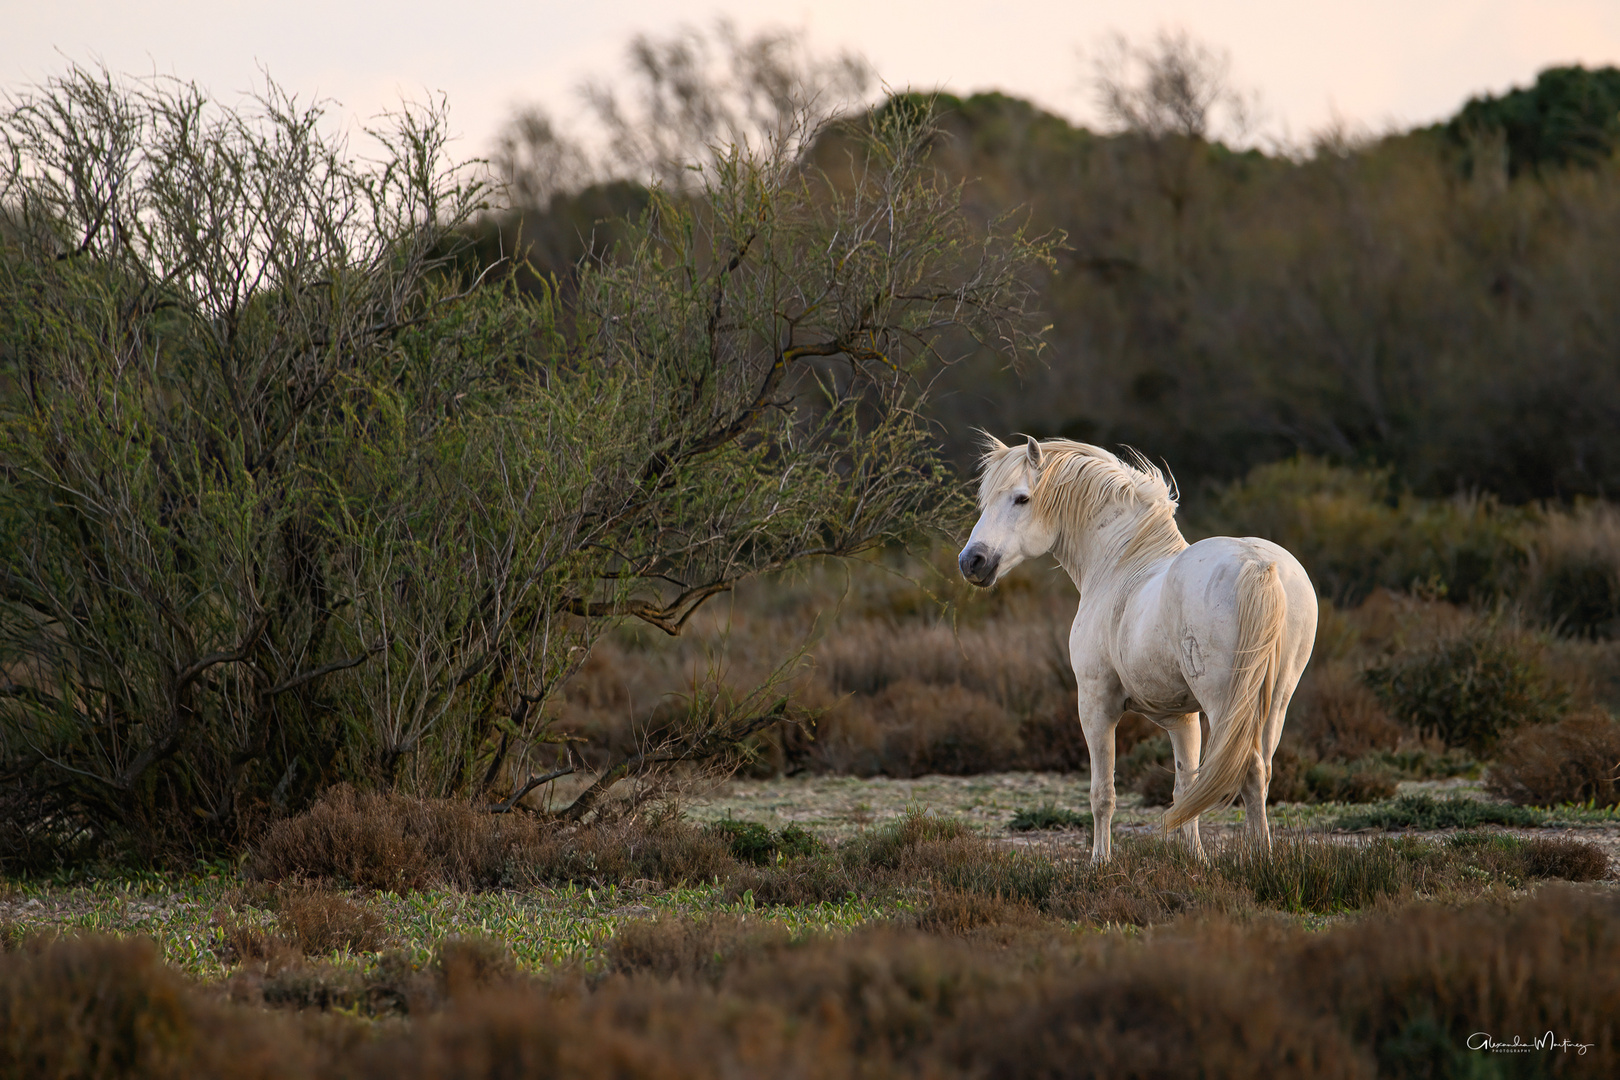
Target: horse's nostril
point(974, 563)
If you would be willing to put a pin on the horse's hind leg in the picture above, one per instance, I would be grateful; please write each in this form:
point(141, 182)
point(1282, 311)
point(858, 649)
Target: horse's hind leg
point(1186, 739)
point(1255, 783)
point(1258, 781)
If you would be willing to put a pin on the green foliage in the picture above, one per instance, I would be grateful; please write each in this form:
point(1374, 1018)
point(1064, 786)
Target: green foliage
point(1427, 812)
point(287, 500)
point(1355, 531)
point(1570, 116)
point(1469, 691)
point(752, 842)
point(1220, 311)
point(1048, 816)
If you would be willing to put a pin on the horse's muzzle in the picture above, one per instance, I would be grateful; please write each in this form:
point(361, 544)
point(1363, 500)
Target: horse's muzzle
point(978, 564)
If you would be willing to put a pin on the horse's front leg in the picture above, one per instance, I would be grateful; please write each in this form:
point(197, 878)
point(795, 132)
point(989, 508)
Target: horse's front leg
point(1186, 740)
point(1099, 715)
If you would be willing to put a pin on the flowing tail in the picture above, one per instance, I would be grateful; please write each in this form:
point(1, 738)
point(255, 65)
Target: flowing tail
point(1262, 612)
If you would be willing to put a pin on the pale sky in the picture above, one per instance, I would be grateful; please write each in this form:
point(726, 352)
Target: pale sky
point(1377, 63)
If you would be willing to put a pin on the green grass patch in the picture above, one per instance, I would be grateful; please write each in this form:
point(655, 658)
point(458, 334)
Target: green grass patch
point(1422, 811)
point(1048, 816)
point(192, 916)
point(1305, 873)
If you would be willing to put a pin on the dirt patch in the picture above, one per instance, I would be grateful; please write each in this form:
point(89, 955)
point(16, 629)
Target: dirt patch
point(839, 807)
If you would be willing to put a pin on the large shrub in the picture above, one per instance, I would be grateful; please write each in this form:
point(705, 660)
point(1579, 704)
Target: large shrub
point(1573, 761)
point(1356, 531)
point(287, 501)
point(1470, 690)
point(1574, 582)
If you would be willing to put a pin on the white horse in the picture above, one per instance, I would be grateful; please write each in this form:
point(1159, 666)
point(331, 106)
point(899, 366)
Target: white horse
point(1164, 629)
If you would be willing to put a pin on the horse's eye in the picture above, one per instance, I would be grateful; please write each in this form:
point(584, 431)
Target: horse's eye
point(1020, 500)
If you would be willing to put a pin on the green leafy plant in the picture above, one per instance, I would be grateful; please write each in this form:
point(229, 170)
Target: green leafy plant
point(288, 499)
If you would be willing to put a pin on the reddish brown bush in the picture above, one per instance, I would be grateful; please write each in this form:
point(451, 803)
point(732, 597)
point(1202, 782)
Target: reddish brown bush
point(1573, 761)
point(1335, 716)
point(386, 841)
point(1564, 858)
point(321, 921)
point(1413, 987)
point(104, 1007)
point(395, 842)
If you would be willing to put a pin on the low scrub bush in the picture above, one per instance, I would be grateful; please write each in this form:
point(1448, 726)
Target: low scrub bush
point(1300, 780)
point(394, 842)
point(1425, 763)
point(916, 698)
point(1426, 812)
point(1148, 881)
point(1563, 858)
point(1156, 785)
point(1576, 760)
point(1355, 531)
point(755, 843)
point(950, 730)
point(394, 985)
point(1048, 816)
point(1335, 716)
point(891, 846)
point(1397, 994)
point(693, 950)
point(1469, 691)
point(1149, 769)
point(1302, 873)
point(387, 841)
point(319, 922)
point(106, 1007)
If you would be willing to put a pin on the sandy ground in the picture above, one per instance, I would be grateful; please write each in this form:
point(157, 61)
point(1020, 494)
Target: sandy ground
point(838, 807)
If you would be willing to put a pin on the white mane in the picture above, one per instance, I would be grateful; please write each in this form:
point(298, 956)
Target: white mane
point(1077, 481)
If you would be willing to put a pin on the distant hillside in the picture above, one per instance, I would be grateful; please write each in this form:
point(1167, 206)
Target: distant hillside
point(1444, 302)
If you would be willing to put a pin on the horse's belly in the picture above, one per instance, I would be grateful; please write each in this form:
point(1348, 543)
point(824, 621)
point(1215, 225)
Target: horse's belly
point(1160, 700)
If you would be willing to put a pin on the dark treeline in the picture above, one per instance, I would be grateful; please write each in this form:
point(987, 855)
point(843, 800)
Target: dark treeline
point(1439, 302)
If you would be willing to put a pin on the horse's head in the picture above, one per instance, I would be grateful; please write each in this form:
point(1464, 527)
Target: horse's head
point(1009, 530)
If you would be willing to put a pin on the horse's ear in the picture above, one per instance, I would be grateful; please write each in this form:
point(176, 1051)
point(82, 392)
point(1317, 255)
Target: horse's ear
point(1033, 449)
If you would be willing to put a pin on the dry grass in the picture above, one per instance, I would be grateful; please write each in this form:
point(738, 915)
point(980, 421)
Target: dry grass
point(984, 987)
point(1574, 580)
point(319, 922)
point(895, 684)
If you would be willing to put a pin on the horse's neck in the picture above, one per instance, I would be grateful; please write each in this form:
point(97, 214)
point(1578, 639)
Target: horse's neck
point(1101, 563)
